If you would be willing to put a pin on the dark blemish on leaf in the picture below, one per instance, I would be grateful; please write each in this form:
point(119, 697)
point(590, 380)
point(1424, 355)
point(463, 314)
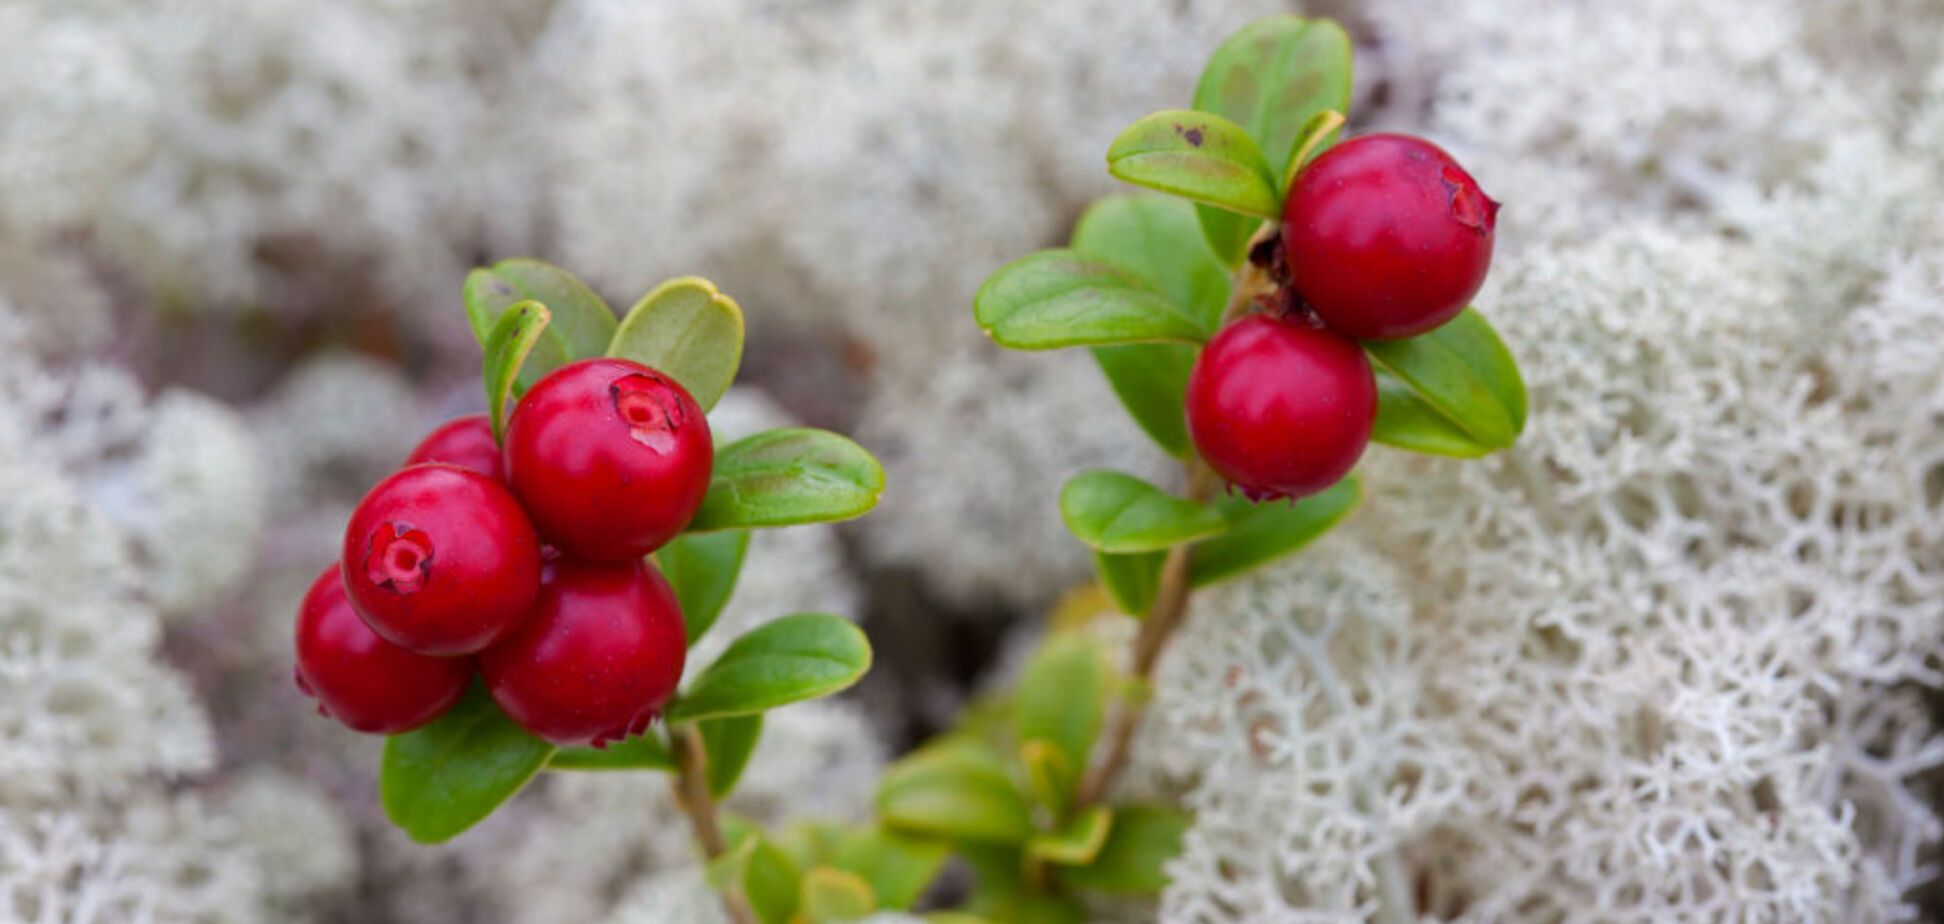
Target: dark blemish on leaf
point(1194, 136)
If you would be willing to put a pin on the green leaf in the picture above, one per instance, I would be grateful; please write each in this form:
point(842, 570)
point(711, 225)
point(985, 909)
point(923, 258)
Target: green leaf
point(439, 780)
point(583, 322)
point(1317, 136)
point(507, 346)
point(794, 658)
point(1050, 777)
point(1199, 156)
point(1457, 380)
point(643, 752)
point(1062, 298)
point(688, 330)
point(1272, 77)
point(899, 867)
point(1261, 533)
point(728, 744)
point(786, 477)
point(954, 789)
point(1062, 695)
point(702, 567)
point(1132, 580)
point(1144, 838)
point(1078, 842)
point(769, 879)
point(1156, 238)
point(835, 895)
point(1121, 514)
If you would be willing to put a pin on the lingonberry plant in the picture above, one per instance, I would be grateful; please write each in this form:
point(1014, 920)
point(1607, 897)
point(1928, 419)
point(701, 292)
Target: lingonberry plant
point(522, 595)
point(1306, 299)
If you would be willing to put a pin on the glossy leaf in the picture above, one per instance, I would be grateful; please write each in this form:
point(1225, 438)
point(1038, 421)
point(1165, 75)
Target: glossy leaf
point(702, 567)
point(1131, 580)
point(583, 324)
point(507, 347)
point(729, 742)
point(1076, 843)
point(1456, 380)
point(794, 658)
point(1143, 840)
point(1156, 238)
point(1121, 514)
point(1062, 696)
point(688, 330)
point(1261, 533)
point(642, 752)
point(1198, 156)
point(1272, 77)
point(439, 780)
point(1062, 298)
point(786, 477)
point(899, 867)
point(954, 790)
point(831, 895)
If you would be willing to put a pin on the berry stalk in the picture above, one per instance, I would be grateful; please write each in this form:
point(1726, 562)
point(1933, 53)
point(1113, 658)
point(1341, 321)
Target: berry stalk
point(691, 786)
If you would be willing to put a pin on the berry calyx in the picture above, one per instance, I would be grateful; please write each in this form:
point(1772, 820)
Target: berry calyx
point(599, 658)
point(466, 442)
point(610, 457)
point(1279, 408)
point(361, 680)
point(441, 560)
point(1386, 236)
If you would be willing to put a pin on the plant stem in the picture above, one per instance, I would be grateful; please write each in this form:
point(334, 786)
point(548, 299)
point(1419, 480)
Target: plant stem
point(691, 785)
point(1171, 597)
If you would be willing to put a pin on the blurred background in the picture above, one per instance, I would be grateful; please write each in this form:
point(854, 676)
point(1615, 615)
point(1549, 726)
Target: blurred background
point(1675, 657)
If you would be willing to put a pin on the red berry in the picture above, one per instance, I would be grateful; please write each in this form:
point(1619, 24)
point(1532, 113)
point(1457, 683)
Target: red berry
point(441, 560)
point(610, 457)
point(1387, 236)
point(601, 655)
point(1280, 409)
point(362, 680)
point(466, 442)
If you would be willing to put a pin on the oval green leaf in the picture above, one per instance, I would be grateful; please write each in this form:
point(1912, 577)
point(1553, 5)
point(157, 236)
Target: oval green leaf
point(643, 752)
point(1198, 156)
point(954, 790)
point(1460, 379)
point(831, 895)
point(786, 477)
point(1121, 514)
point(1156, 238)
point(899, 867)
point(1132, 861)
point(1062, 696)
point(1271, 77)
point(769, 879)
point(583, 322)
point(799, 657)
point(688, 330)
point(507, 347)
point(1062, 298)
point(1261, 533)
point(1131, 580)
point(702, 567)
point(1076, 843)
point(439, 780)
point(728, 743)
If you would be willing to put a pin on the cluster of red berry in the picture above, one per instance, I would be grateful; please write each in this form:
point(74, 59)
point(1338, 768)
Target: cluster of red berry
point(524, 563)
point(1383, 237)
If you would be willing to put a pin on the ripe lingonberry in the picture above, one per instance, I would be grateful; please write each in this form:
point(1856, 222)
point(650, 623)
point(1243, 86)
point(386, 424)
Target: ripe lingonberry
point(441, 560)
point(1279, 408)
point(601, 654)
point(466, 442)
point(610, 457)
point(1387, 237)
point(367, 683)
